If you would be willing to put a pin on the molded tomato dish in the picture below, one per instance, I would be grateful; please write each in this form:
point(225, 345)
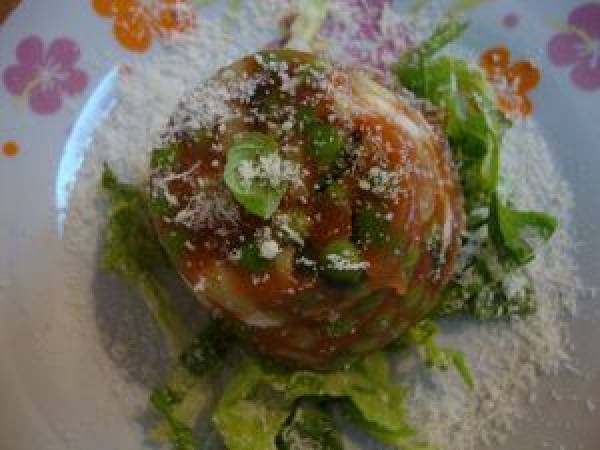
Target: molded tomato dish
point(308, 205)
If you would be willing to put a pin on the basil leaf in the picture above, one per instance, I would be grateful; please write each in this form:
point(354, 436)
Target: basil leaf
point(258, 196)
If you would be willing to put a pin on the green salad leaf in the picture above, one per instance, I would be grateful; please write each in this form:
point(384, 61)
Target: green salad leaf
point(133, 252)
point(423, 335)
point(310, 427)
point(178, 404)
point(475, 127)
point(402, 439)
point(186, 392)
point(257, 195)
point(259, 399)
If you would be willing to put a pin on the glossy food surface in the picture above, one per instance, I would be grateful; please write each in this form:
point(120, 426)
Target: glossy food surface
point(307, 204)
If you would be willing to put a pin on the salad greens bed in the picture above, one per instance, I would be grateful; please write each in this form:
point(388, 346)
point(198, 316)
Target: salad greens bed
point(264, 406)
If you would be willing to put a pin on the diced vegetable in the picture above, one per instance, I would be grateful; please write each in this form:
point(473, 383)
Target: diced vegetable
point(251, 260)
point(338, 193)
point(325, 142)
point(370, 227)
point(341, 327)
point(341, 262)
point(257, 196)
point(293, 225)
point(173, 242)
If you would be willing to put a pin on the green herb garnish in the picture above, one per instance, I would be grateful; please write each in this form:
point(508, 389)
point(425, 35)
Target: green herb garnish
point(257, 196)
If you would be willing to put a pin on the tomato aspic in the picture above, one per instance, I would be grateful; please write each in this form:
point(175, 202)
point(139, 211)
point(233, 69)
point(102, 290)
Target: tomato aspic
point(310, 206)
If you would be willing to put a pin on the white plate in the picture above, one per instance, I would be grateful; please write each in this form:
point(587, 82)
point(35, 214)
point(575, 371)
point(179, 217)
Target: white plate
point(63, 382)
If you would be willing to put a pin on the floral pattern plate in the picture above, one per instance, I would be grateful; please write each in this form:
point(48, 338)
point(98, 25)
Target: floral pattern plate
point(57, 63)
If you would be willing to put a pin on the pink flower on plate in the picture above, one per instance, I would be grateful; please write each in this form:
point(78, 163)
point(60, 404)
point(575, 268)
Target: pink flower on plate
point(365, 35)
point(42, 76)
point(579, 46)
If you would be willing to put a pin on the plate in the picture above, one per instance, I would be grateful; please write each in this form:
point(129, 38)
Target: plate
point(68, 377)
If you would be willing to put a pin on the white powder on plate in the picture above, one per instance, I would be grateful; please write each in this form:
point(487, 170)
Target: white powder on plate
point(507, 356)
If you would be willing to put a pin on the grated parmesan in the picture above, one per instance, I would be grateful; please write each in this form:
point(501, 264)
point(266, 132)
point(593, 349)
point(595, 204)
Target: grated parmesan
point(271, 169)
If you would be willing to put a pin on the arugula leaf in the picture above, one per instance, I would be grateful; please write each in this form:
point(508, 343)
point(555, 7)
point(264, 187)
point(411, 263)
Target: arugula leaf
point(259, 399)
point(473, 124)
point(507, 227)
point(474, 127)
point(258, 197)
point(445, 33)
point(132, 251)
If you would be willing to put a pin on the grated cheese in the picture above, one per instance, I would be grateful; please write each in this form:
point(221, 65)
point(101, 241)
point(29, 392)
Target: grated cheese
point(341, 262)
point(270, 169)
point(205, 209)
point(269, 249)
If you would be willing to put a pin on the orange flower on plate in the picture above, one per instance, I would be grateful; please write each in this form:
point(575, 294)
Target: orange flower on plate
point(512, 81)
point(10, 149)
point(136, 22)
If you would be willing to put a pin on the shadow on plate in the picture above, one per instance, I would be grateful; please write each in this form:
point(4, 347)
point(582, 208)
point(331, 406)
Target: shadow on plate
point(128, 332)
